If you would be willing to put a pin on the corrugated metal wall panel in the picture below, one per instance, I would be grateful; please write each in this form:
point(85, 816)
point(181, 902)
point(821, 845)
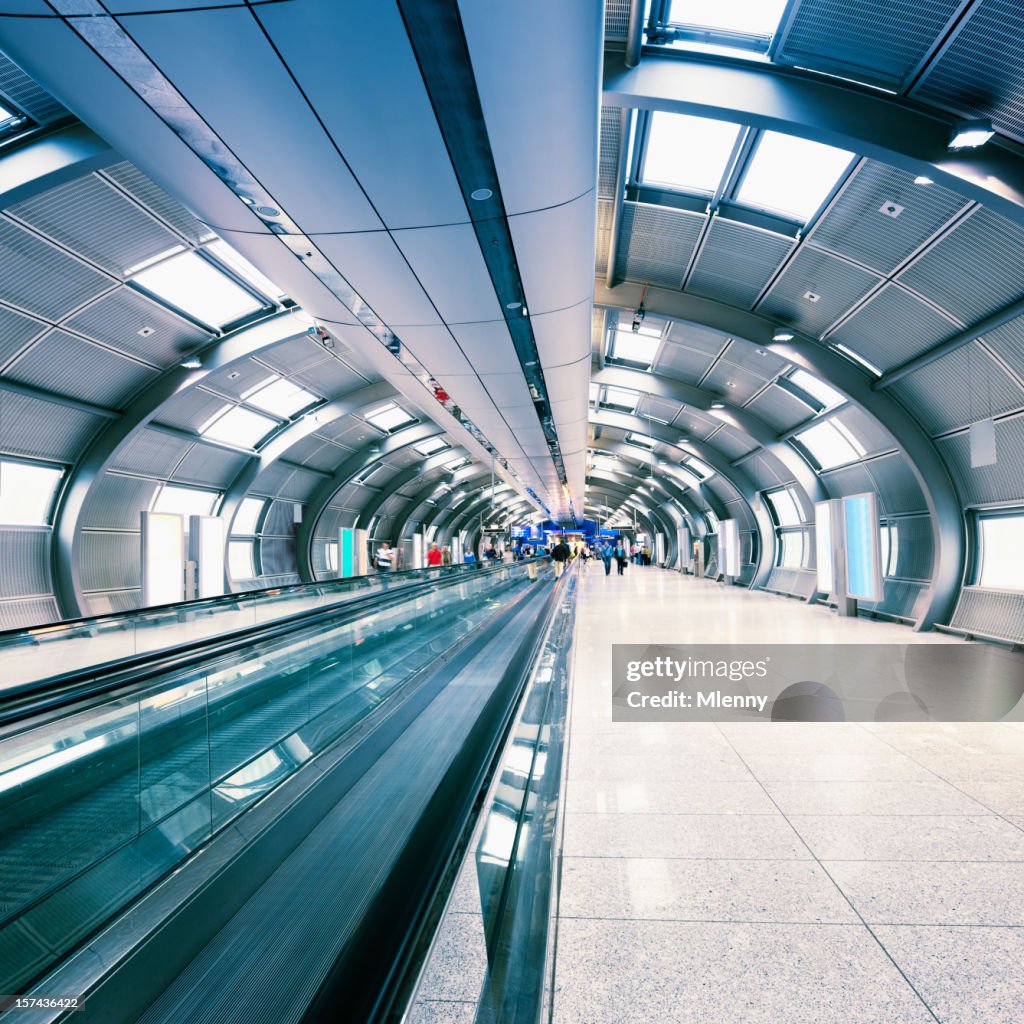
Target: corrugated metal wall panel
point(856, 227)
point(605, 214)
point(616, 19)
point(1000, 482)
point(894, 327)
point(151, 452)
point(214, 467)
point(871, 434)
point(91, 218)
point(607, 180)
point(990, 612)
point(190, 409)
point(900, 597)
point(277, 556)
point(683, 363)
point(62, 363)
point(852, 480)
point(115, 502)
point(27, 95)
point(1008, 343)
point(110, 561)
point(779, 408)
point(981, 74)
point(732, 443)
point(280, 520)
point(40, 279)
point(965, 386)
point(16, 331)
point(764, 471)
point(973, 271)
point(898, 489)
point(876, 41)
point(113, 601)
point(656, 243)
point(839, 285)
point(33, 612)
point(916, 552)
point(117, 319)
point(25, 557)
point(736, 262)
point(30, 426)
point(737, 383)
point(132, 180)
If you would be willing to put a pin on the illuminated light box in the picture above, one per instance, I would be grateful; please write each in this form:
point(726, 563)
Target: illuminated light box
point(863, 547)
point(824, 545)
point(353, 559)
point(206, 549)
point(729, 546)
point(163, 558)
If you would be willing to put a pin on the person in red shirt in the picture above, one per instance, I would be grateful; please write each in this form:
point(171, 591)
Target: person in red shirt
point(434, 556)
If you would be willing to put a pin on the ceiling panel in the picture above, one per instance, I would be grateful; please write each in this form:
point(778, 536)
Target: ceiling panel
point(44, 430)
point(837, 284)
point(682, 363)
point(28, 95)
point(128, 177)
point(896, 484)
point(656, 243)
point(150, 452)
point(205, 464)
point(779, 408)
point(893, 327)
point(854, 225)
point(16, 331)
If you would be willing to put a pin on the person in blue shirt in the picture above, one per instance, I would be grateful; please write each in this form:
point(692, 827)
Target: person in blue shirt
point(606, 557)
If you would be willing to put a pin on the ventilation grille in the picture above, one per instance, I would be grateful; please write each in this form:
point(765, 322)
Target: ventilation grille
point(839, 284)
point(42, 280)
point(981, 74)
point(91, 218)
point(991, 613)
point(656, 243)
point(133, 181)
point(875, 41)
point(616, 19)
point(62, 363)
point(973, 271)
point(893, 328)
point(856, 228)
point(36, 612)
point(965, 386)
point(736, 262)
point(604, 236)
point(26, 95)
point(611, 137)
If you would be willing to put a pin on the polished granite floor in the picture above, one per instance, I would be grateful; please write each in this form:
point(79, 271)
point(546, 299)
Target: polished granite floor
point(780, 873)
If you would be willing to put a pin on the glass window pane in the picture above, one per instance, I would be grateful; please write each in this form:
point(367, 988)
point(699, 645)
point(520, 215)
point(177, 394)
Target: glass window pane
point(26, 493)
point(828, 446)
point(791, 549)
point(197, 287)
point(712, 519)
point(244, 269)
point(239, 427)
point(641, 440)
point(785, 507)
point(688, 152)
point(279, 396)
point(792, 176)
point(185, 501)
point(432, 446)
point(702, 469)
point(749, 17)
point(240, 560)
point(1002, 552)
point(248, 515)
point(621, 399)
point(636, 347)
point(390, 417)
point(828, 396)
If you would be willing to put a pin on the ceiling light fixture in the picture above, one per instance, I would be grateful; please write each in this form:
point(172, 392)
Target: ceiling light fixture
point(970, 134)
point(480, 194)
point(782, 334)
point(192, 363)
point(718, 405)
point(923, 179)
point(512, 305)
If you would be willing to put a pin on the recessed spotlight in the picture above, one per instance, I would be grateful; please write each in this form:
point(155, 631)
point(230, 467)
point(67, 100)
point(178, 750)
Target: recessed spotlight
point(812, 296)
point(718, 405)
point(761, 351)
point(890, 209)
point(234, 375)
point(480, 194)
point(145, 332)
point(730, 383)
point(923, 179)
point(192, 363)
point(970, 134)
point(512, 305)
point(268, 211)
point(782, 334)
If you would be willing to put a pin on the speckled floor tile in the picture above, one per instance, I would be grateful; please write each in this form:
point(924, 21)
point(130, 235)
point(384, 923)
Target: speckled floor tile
point(713, 766)
point(930, 796)
point(929, 892)
point(1004, 796)
point(667, 796)
point(667, 972)
point(700, 890)
point(967, 975)
point(832, 767)
point(910, 837)
point(434, 1011)
point(694, 836)
point(803, 738)
point(458, 963)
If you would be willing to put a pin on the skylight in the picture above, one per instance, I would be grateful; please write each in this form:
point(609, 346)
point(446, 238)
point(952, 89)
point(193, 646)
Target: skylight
point(244, 269)
point(390, 417)
point(859, 359)
point(619, 398)
point(831, 444)
point(745, 17)
point(792, 176)
point(828, 396)
point(5, 114)
point(26, 493)
point(432, 446)
point(456, 464)
point(186, 501)
point(196, 287)
point(783, 504)
point(641, 441)
point(248, 516)
point(688, 152)
point(280, 397)
point(635, 348)
point(702, 469)
point(238, 426)
point(686, 477)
